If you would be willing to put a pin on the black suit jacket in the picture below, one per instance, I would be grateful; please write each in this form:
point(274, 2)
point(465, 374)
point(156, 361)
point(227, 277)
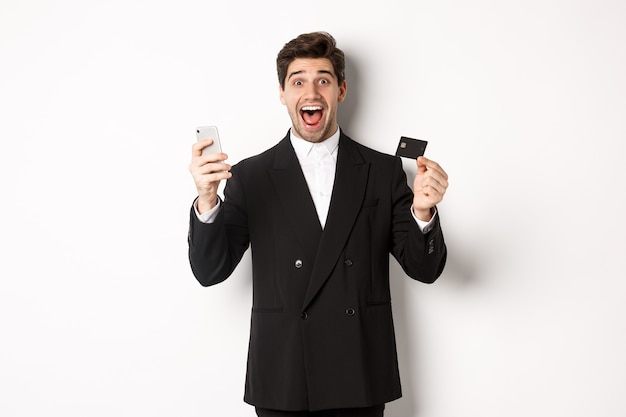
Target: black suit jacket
point(322, 333)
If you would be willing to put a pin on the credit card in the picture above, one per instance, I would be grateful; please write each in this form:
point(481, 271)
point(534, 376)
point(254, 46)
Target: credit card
point(411, 148)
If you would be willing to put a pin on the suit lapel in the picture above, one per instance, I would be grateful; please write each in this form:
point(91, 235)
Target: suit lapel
point(348, 193)
point(294, 196)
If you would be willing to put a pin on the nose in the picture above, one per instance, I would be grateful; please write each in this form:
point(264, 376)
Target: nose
point(312, 90)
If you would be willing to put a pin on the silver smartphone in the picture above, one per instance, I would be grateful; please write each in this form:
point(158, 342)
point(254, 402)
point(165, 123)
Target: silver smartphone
point(209, 132)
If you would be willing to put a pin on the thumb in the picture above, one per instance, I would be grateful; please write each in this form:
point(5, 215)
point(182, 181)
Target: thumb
point(421, 164)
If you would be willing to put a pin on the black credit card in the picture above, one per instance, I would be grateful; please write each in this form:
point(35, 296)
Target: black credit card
point(411, 148)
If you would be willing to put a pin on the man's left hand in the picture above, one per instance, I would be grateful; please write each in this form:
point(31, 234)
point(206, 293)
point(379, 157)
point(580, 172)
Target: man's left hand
point(429, 186)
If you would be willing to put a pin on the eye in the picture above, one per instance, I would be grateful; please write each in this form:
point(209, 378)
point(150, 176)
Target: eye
point(323, 81)
point(297, 82)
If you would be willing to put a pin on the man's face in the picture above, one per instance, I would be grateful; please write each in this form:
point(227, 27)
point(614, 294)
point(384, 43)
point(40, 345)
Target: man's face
point(312, 95)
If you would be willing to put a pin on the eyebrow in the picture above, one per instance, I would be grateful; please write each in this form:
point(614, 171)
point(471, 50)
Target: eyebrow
point(318, 72)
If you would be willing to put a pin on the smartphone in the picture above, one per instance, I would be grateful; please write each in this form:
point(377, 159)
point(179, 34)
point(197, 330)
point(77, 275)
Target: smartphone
point(209, 132)
point(411, 148)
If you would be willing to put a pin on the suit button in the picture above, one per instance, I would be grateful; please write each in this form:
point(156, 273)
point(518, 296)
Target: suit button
point(348, 262)
point(304, 316)
point(298, 264)
point(350, 311)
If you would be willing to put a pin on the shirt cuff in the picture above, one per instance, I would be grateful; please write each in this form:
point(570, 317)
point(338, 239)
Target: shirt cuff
point(425, 227)
point(209, 216)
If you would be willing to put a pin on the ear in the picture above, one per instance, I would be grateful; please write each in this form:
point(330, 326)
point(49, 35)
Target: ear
point(343, 90)
point(282, 94)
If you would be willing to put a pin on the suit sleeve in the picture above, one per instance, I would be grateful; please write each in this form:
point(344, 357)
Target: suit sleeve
point(421, 255)
point(215, 249)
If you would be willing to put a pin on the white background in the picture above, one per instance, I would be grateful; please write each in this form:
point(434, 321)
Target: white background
point(523, 103)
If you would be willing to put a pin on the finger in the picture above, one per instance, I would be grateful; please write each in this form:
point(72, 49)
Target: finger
point(214, 157)
point(199, 168)
point(209, 158)
point(198, 151)
point(437, 177)
point(214, 177)
point(213, 167)
point(432, 184)
point(421, 165)
point(432, 195)
point(432, 165)
point(208, 183)
point(197, 147)
point(207, 169)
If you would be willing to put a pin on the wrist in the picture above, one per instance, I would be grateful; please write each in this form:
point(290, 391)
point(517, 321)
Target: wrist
point(204, 204)
point(424, 215)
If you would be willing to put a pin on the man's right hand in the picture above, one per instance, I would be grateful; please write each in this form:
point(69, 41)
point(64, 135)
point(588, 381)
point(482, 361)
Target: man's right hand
point(207, 171)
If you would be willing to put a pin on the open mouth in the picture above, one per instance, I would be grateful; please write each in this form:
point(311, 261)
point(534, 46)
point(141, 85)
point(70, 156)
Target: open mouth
point(312, 115)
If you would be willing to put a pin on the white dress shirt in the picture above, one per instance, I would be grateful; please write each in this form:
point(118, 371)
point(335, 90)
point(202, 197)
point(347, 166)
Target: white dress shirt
point(318, 162)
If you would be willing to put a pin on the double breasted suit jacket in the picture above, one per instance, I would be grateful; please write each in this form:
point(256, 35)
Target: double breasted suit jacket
point(322, 333)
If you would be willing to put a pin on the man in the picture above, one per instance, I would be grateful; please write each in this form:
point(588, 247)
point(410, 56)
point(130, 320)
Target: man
point(321, 214)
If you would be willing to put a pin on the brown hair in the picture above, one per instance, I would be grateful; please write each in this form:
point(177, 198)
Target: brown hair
point(311, 45)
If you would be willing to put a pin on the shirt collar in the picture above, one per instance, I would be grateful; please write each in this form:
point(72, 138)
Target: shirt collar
point(303, 148)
